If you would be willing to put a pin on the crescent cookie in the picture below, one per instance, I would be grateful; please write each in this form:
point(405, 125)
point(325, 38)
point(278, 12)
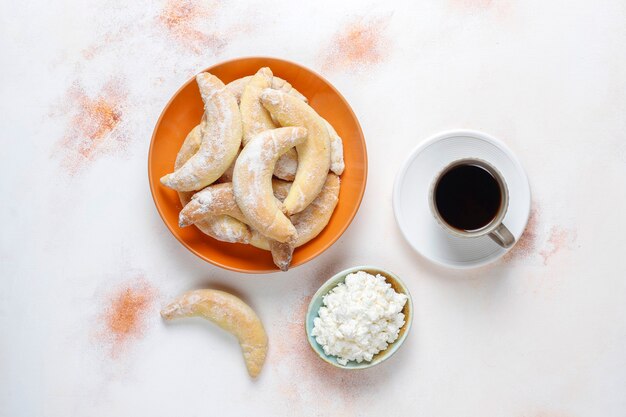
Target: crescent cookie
point(189, 147)
point(227, 176)
point(214, 200)
point(252, 181)
point(236, 87)
point(223, 227)
point(313, 154)
point(218, 200)
point(282, 253)
point(221, 138)
point(287, 165)
point(336, 149)
point(231, 314)
point(280, 188)
point(254, 117)
point(285, 87)
point(312, 220)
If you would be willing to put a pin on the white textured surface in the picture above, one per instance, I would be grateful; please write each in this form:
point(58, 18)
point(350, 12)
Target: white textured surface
point(542, 334)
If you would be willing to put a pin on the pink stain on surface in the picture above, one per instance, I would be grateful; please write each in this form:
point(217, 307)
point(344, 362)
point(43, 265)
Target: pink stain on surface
point(125, 310)
point(526, 247)
point(500, 10)
point(109, 39)
point(360, 44)
point(537, 242)
point(192, 24)
point(94, 124)
point(306, 380)
point(184, 21)
point(558, 240)
point(472, 4)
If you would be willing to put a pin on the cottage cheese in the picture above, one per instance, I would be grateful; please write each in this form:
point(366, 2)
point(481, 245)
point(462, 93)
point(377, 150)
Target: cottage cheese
point(360, 318)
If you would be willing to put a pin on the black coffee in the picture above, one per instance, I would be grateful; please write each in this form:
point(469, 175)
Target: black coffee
point(468, 197)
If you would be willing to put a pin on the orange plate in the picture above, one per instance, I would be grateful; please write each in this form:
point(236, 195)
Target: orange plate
point(184, 111)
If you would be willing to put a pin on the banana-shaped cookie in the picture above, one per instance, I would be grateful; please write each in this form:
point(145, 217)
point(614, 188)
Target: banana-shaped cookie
point(216, 203)
point(236, 87)
point(231, 314)
point(252, 181)
point(287, 165)
point(220, 199)
point(227, 176)
point(309, 222)
point(221, 133)
point(280, 188)
point(217, 200)
point(313, 154)
point(212, 201)
point(282, 253)
point(254, 117)
point(222, 227)
point(336, 149)
point(285, 87)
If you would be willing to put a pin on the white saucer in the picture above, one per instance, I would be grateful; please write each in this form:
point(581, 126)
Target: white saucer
point(410, 198)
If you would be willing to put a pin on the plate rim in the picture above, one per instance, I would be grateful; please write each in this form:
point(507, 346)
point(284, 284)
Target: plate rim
point(331, 241)
point(420, 147)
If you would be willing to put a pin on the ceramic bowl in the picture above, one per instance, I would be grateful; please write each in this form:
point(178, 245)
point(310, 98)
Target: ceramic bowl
point(184, 111)
point(316, 303)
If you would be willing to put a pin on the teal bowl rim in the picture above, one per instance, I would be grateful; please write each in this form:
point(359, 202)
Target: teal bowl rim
point(380, 357)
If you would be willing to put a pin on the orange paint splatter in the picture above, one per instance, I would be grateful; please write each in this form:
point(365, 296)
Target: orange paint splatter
point(192, 24)
point(558, 240)
point(527, 244)
point(535, 243)
point(182, 19)
point(361, 43)
point(110, 38)
point(124, 315)
point(94, 124)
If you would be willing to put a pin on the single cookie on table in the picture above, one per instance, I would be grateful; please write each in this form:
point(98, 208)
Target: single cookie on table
point(253, 186)
point(231, 314)
point(221, 133)
point(313, 154)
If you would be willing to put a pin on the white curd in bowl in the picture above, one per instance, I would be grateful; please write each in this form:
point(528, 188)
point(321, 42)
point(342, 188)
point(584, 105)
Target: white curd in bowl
point(359, 318)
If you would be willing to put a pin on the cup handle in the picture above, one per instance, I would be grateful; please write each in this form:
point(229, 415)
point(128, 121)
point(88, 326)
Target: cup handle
point(502, 236)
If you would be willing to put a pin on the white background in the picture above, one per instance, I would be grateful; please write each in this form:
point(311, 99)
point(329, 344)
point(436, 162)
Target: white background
point(540, 335)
